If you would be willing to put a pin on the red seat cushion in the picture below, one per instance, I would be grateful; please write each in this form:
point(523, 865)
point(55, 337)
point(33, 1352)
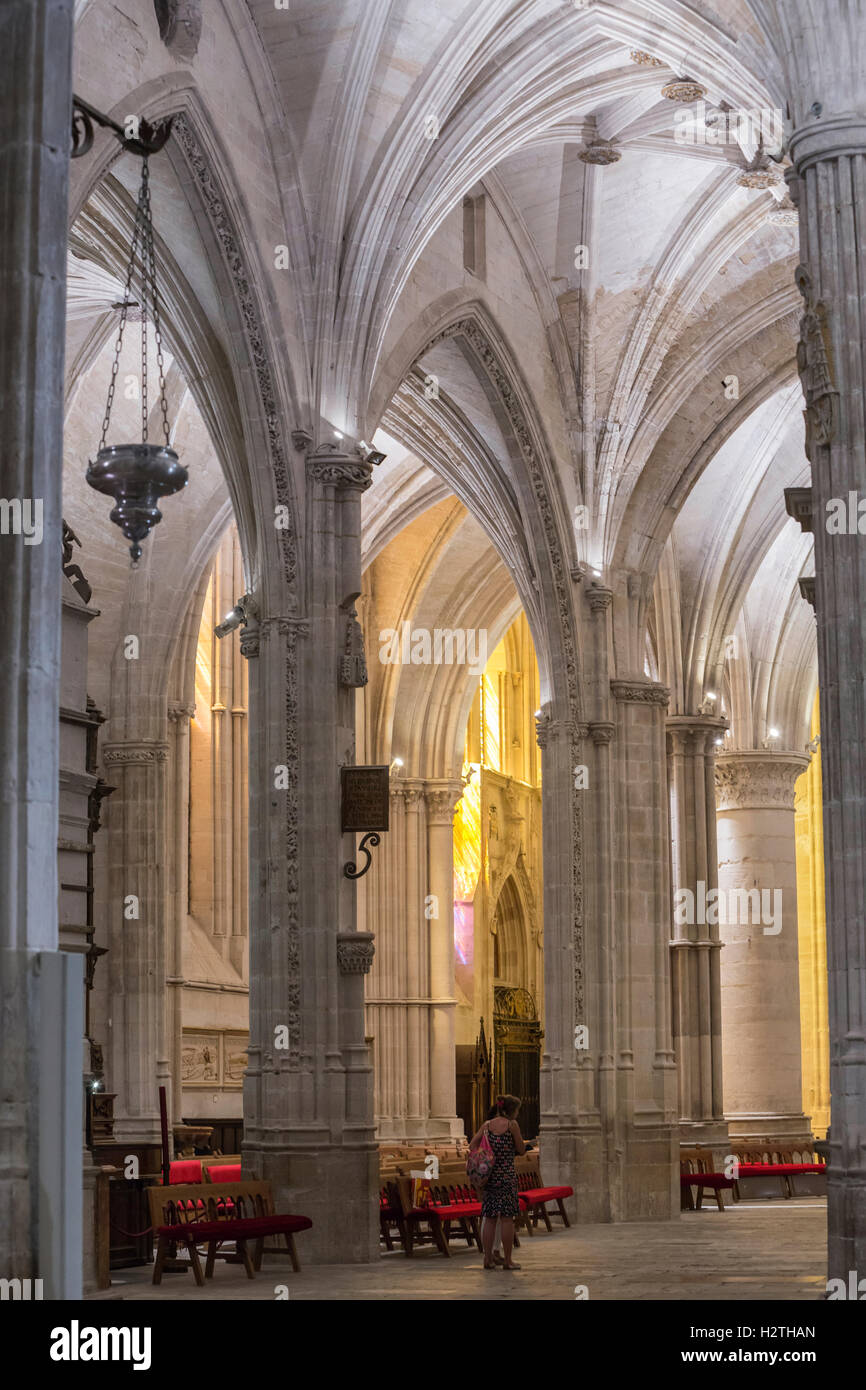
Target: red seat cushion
point(778, 1170)
point(706, 1180)
point(451, 1212)
point(224, 1172)
point(185, 1170)
point(534, 1196)
point(251, 1228)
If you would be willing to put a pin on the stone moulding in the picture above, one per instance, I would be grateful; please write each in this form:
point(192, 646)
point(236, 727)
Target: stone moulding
point(815, 365)
point(355, 952)
point(250, 312)
point(640, 693)
point(142, 752)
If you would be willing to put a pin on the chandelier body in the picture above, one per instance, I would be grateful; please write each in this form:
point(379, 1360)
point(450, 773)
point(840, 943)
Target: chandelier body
point(138, 475)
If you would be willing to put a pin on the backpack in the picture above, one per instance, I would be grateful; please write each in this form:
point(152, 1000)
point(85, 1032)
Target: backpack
point(479, 1164)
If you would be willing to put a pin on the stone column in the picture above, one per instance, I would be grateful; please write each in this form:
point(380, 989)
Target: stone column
point(137, 900)
point(825, 88)
point(571, 1138)
point(308, 1094)
point(398, 988)
point(760, 966)
point(646, 1067)
point(695, 946)
point(179, 715)
point(40, 1174)
point(442, 797)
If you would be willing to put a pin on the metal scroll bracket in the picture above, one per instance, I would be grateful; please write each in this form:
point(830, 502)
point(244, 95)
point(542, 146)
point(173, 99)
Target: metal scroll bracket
point(146, 139)
point(351, 869)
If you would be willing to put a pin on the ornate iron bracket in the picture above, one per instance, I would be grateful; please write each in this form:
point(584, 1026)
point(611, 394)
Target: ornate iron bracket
point(351, 869)
point(149, 140)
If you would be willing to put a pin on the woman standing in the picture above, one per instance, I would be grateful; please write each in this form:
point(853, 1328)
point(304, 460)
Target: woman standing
point(499, 1201)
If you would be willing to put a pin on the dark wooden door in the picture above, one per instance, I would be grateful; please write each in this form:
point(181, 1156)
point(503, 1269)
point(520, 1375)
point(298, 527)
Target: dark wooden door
point(522, 1078)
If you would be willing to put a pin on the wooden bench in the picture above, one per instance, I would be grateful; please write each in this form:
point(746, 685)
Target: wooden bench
point(452, 1202)
point(210, 1213)
point(696, 1171)
point(763, 1160)
point(534, 1197)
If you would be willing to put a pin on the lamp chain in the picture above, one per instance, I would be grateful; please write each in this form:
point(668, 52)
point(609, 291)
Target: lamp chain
point(142, 244)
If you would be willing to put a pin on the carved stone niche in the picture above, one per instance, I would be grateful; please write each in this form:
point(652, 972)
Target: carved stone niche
point(355, 951)
point(179, 26)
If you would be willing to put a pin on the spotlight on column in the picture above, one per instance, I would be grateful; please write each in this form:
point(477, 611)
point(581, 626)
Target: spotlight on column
point(773, 736)
point(371, 455)
point(395, 762)
point(230, 621)
point(245, 609)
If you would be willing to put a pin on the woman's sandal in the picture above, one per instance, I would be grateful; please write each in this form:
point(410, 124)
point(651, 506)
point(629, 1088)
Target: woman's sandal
point(510, 1267)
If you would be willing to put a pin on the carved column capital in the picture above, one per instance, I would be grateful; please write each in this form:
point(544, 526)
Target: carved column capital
point(409, 790)
point(602, 731)
point(355, 952)
point(598, 598)
point(690, 733)
point(178, 711)
point(755, 780)
point(548, 729)
point(442, 798)
point(331, 468)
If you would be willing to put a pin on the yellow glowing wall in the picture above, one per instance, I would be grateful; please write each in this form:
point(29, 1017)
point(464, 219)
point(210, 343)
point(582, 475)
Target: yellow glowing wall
point(813, 941)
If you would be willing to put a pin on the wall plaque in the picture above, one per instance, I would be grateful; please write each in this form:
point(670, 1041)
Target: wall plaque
point(366, 798)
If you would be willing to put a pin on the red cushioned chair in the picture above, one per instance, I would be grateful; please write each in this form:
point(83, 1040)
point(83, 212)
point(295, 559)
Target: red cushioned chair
point(452, 1201)
point(695, 1172)
point(534, 1196)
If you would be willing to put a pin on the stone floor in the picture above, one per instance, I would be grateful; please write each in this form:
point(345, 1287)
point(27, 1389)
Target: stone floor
point(752, 1251)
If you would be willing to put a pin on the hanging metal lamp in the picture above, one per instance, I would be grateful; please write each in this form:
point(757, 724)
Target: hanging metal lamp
point(138, 475)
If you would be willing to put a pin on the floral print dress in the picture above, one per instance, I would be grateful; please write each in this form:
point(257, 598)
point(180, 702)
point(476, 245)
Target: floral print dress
point(500, 1195)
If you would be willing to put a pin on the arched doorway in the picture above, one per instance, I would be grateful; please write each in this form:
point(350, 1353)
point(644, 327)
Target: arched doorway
point(517, 1038)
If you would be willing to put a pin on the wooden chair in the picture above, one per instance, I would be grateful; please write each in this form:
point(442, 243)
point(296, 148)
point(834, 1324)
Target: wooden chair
point(696, 1172)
